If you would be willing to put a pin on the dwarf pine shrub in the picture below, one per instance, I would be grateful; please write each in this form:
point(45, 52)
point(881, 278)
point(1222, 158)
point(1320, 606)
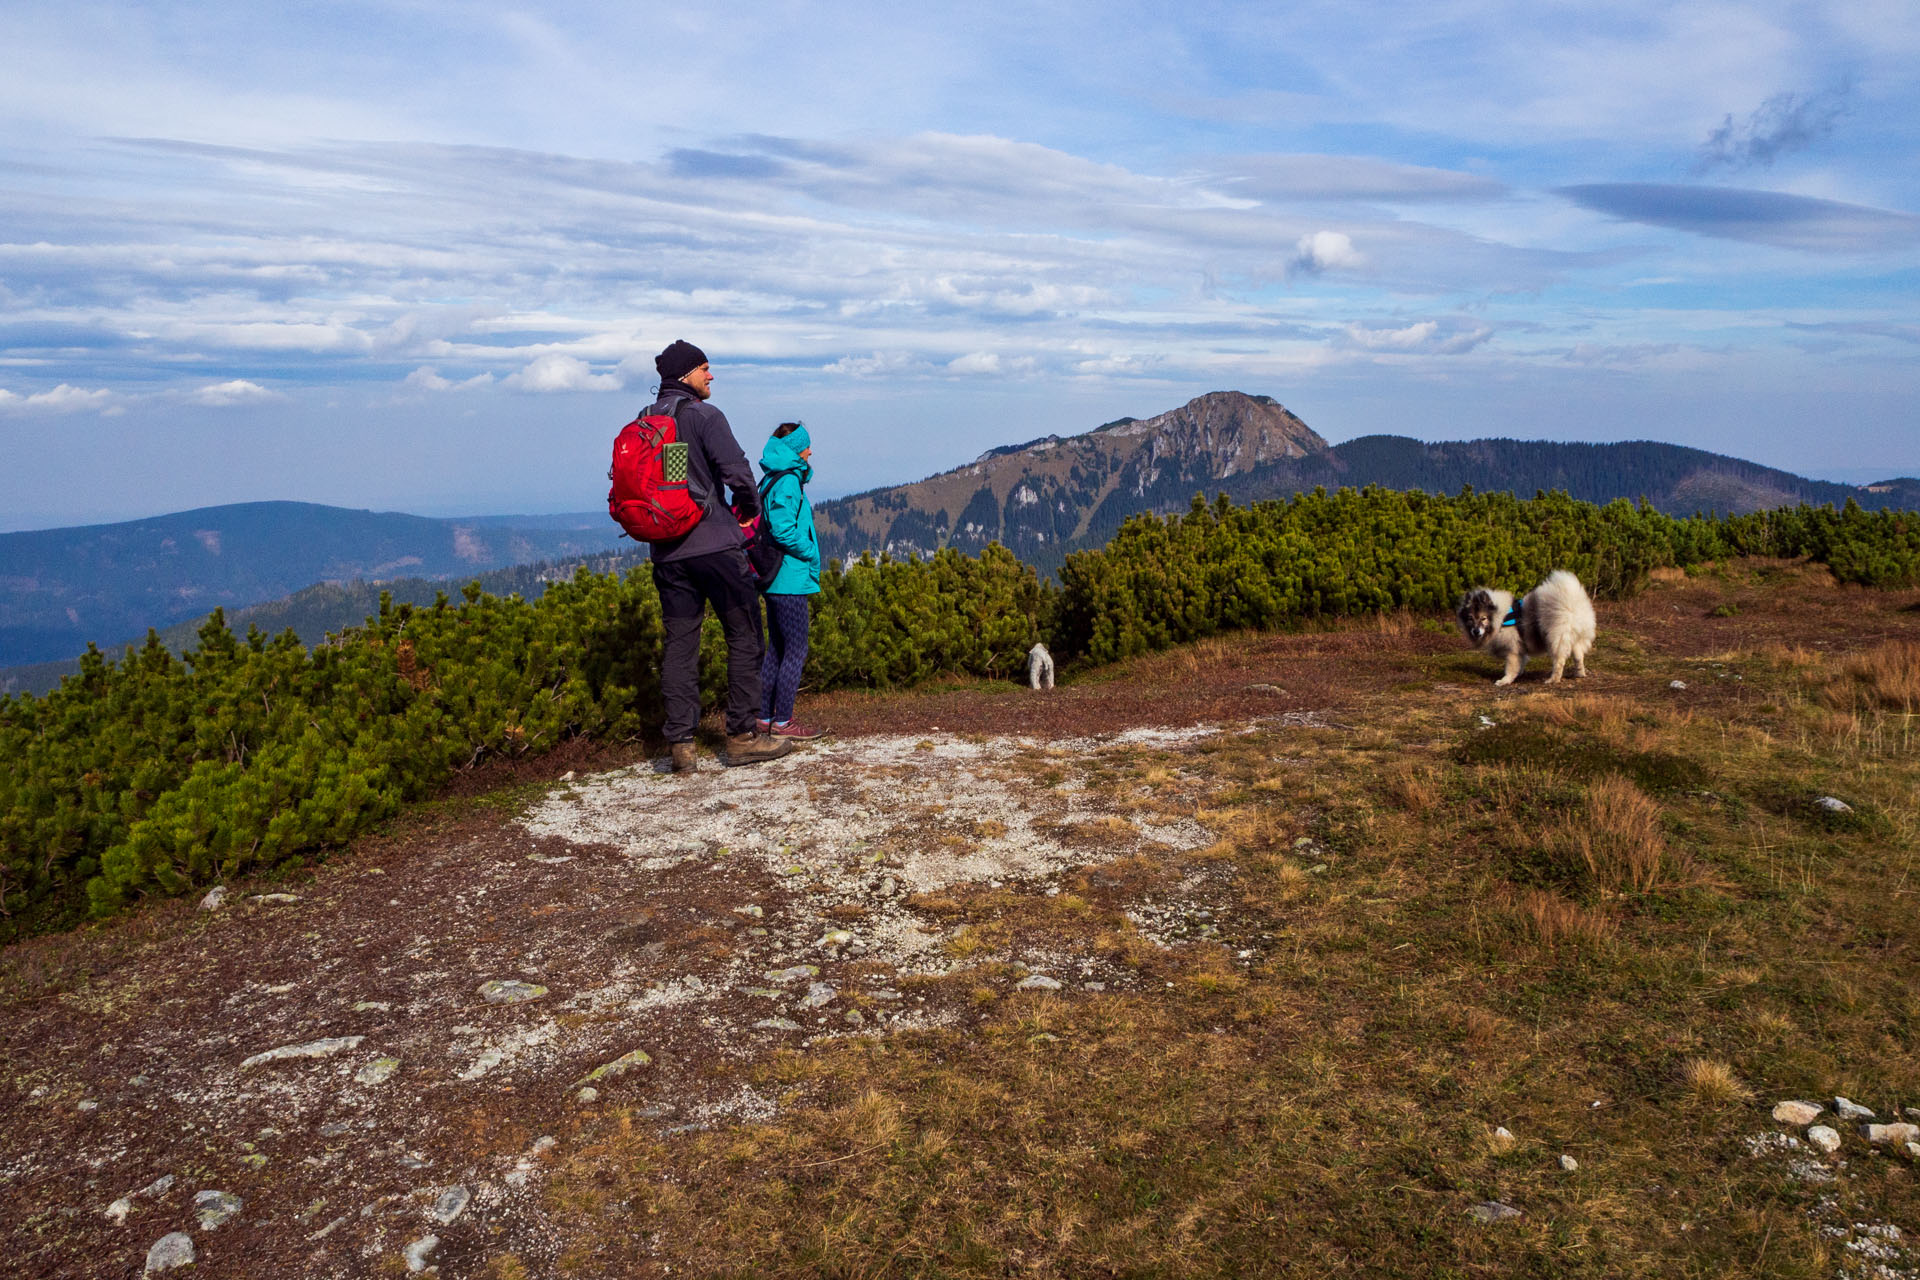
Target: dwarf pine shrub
point(156, 774)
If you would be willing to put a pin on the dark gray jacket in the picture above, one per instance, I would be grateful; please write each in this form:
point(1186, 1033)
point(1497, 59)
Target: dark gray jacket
point(714, 458)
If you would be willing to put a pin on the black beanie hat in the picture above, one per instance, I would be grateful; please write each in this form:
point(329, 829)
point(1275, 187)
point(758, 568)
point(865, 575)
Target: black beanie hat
point(679, 360)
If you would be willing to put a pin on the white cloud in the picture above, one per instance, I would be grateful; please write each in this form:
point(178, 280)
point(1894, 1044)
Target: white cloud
point(227, 395)
point(975, 362)
point(879, 364)
point(1425, 337)
point(427, 378)
point(61, 399)
point(554, 372)
point(1325, 251)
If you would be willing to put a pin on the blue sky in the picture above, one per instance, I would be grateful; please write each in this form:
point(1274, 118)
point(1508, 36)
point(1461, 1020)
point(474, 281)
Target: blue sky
point(419, 255)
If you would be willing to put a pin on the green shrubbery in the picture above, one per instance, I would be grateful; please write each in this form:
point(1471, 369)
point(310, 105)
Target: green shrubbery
point(155, 774)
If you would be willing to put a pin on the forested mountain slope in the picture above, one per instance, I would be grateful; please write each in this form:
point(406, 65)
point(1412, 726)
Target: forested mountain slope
point(61, 588)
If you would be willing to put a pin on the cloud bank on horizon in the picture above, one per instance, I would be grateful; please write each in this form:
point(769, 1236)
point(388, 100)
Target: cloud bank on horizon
point(420, 255)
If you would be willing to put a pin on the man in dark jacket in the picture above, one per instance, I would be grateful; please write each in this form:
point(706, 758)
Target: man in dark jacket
point(708, 565)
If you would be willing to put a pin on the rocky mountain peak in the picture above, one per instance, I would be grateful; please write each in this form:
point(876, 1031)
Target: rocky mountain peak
point(1234, 431)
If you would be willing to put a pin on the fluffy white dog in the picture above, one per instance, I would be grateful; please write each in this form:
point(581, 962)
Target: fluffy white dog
point(1555, 619)
point(1039, 668)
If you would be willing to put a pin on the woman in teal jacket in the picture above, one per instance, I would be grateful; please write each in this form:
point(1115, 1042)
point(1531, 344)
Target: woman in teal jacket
point(784, 473)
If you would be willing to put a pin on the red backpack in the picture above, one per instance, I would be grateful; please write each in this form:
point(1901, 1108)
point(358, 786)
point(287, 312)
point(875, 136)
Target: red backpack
point(651, 497)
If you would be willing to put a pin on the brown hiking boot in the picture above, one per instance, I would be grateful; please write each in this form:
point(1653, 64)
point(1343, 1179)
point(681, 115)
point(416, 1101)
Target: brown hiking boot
point(752, 748)
point(684, 761)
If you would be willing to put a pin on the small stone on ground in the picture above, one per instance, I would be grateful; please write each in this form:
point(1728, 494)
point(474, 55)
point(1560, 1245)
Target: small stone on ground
point(1490, 1211)
point(169, 1252)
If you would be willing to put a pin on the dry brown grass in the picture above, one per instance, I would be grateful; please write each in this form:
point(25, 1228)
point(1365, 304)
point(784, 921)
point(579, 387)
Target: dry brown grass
point(1621, 843)
point(1414, 788)
point(1667, 576)
point(1713, 1083)
point(1888, 675)
point(1551, 919)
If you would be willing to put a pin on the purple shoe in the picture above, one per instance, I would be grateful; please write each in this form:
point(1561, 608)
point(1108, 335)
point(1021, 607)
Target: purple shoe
point(797, 731)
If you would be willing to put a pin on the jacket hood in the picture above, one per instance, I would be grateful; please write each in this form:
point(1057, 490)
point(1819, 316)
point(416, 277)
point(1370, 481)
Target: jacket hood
point(783, 454)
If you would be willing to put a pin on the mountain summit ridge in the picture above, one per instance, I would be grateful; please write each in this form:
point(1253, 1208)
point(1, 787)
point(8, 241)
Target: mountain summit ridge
point(1062, 493)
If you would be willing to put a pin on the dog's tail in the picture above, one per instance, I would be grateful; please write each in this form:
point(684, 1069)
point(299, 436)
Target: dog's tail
point(1560, 606)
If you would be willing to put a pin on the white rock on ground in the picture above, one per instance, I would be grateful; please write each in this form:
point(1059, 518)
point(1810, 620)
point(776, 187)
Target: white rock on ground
point(508, 991)
point(1890, 1134)
point(1490, 1211)
point(312, 1049)
point(1824, 1137)
point(1797, 1113)
point(418, 1251)
point(1569, 1164)
point(377, 1072)
point(451, 1204)
point(216, 1208)
point(117, 1211)
point(1834, 804)
point(169, 1252)
point(215, 896)
point(1851, 1110)
point(1039, 982)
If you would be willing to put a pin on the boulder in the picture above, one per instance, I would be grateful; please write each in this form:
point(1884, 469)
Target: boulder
point(169, 1252)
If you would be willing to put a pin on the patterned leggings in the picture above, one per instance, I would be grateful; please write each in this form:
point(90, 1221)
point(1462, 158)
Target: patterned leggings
point(786, 655)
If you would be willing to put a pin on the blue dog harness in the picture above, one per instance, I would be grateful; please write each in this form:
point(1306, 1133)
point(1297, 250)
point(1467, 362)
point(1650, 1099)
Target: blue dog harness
point(1513, 616)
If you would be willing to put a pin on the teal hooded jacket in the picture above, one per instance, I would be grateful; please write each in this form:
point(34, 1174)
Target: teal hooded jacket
point(788, 515)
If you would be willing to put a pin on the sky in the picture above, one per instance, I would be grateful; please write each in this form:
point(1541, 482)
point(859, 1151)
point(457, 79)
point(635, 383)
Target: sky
point(417, 255)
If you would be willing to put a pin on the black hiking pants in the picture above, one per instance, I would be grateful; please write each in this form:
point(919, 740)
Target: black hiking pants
point(725, 581)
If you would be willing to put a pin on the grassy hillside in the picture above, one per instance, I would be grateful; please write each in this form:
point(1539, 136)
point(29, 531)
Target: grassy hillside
point(1271, 955)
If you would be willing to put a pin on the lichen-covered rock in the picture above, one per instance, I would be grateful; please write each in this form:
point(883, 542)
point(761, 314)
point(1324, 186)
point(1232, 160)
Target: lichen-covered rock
point(216, 1208)
point(1895, 1135)
point(117, 1212)
point(819, 994)
point(510, 991)
point(450, 1204)
point(312, 1049)
point(797, 972)
point(215, 896)
point(419, 1251)
point(618, 1067)
point(170, 1252)
point(379, 1071)
point(1824, 1137)
point(1039, 982)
